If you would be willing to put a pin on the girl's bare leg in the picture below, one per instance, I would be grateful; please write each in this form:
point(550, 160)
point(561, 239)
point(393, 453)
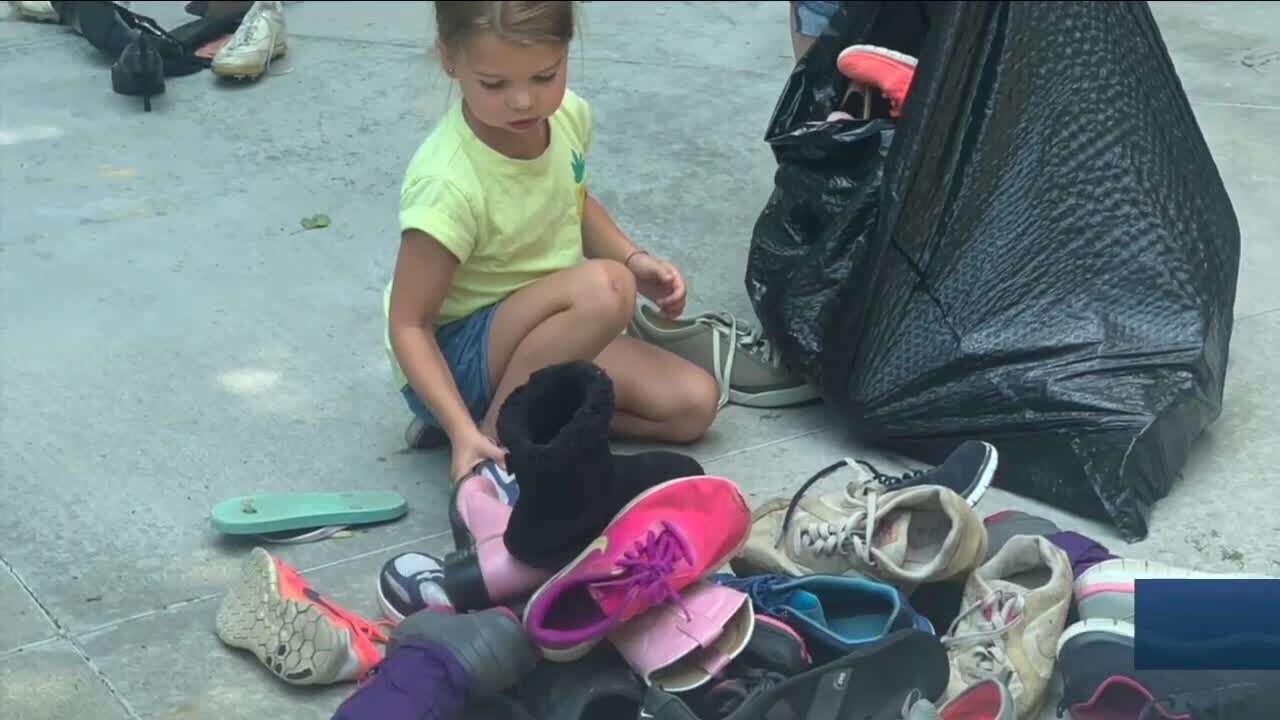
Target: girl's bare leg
point(569, 315)
point(579, 314)
point(660, 395)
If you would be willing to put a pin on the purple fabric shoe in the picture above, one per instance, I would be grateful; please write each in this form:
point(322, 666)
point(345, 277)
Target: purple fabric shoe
point(418, 680)
point(1085, 552)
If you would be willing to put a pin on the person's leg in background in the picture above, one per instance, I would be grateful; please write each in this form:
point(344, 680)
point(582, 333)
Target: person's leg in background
point(43, 10)
point(809, 20)
point(35, 10)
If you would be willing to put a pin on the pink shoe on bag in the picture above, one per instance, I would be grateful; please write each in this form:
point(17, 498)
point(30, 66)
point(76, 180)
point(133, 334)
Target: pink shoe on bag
point(678, 652)
point(663, 541)
point(888, 71)
point(481, 573)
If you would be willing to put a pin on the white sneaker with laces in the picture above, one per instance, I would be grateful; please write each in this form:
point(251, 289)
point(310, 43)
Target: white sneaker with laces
point(261, 38)
point(34, 10)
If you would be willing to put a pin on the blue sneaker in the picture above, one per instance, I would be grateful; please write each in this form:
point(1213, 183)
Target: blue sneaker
point(835, 613)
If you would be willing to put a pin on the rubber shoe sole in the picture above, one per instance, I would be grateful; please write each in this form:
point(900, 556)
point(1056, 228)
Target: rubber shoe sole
point(1105, 591)
point(247, 70)
point(293, 639)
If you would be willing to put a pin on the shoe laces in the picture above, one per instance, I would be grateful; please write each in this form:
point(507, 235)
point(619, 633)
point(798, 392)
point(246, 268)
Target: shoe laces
point(762, 589)
point(741, 336)
point(889, 481)
point(991, 619)
point(823, 538)
point(725, 697)
point(251, 28)
point(648, 568)
point(851, 536)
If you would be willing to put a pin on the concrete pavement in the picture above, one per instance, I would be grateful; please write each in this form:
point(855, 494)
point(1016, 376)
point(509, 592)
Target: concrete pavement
point(169, 340)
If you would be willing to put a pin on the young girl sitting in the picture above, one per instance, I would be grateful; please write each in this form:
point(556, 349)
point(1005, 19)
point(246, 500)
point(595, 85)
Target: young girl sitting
point(507, 264)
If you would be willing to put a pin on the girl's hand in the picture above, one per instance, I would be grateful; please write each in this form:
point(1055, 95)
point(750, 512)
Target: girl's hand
point(473, 448)
point(661, 282)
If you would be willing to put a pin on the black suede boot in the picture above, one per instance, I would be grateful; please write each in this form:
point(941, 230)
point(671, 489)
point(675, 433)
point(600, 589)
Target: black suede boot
point(556, 432)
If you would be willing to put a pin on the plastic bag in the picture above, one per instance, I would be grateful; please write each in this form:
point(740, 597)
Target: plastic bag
point(1054, 260)
point(814, 231)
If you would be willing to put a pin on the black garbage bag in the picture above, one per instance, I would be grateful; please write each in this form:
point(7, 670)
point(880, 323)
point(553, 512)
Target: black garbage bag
point(1053, 261)
point(815, 230)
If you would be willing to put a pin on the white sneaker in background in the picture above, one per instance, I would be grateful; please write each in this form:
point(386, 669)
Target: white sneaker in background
point(260, 39)
point(35, 10)
point(43, 10)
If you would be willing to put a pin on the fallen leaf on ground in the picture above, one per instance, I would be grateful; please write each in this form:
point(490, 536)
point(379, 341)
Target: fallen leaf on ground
point(315, 222)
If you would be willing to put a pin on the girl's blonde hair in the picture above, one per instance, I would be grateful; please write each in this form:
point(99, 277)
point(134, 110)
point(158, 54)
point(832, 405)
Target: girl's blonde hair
point(519, 23)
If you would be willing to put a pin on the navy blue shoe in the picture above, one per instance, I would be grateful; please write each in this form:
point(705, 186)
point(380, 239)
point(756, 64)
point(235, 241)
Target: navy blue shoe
point(411, 582)
point(834, 613)
point(504, 484)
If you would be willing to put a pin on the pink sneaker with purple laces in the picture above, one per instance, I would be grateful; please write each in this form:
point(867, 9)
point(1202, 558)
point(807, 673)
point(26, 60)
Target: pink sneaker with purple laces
point(663, 541)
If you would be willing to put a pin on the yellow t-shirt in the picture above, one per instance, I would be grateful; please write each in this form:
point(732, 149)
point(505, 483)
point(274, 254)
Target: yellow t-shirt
point(509, 222)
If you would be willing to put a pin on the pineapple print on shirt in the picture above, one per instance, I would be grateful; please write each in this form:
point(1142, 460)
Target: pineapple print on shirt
point(579, 165)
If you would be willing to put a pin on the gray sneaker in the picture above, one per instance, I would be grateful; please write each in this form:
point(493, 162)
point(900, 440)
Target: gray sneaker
point(747, 366)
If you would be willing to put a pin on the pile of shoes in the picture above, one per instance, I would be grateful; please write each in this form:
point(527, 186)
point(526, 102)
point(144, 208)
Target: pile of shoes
point(587, 584)
point(850, 569)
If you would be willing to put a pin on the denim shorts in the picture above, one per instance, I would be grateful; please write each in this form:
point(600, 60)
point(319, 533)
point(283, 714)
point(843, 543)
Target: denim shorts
point(465, 346)
point(814, 18)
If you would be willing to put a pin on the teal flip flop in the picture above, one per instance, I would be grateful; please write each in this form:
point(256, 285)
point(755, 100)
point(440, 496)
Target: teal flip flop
point(280, 512)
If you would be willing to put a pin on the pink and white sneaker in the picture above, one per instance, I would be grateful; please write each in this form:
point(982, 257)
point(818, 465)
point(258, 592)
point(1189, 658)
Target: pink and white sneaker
point(680, 648)
point(481, 573)
point(660, 543)
point(1105, 591)
point(888, 71)
point(472, 504)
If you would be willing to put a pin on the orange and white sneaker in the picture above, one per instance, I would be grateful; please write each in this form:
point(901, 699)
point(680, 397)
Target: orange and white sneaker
point(299, 634)
point(888, 71)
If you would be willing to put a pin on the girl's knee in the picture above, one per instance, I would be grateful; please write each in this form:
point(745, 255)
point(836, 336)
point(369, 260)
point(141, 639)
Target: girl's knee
point(606, 287)
point(699, 403)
